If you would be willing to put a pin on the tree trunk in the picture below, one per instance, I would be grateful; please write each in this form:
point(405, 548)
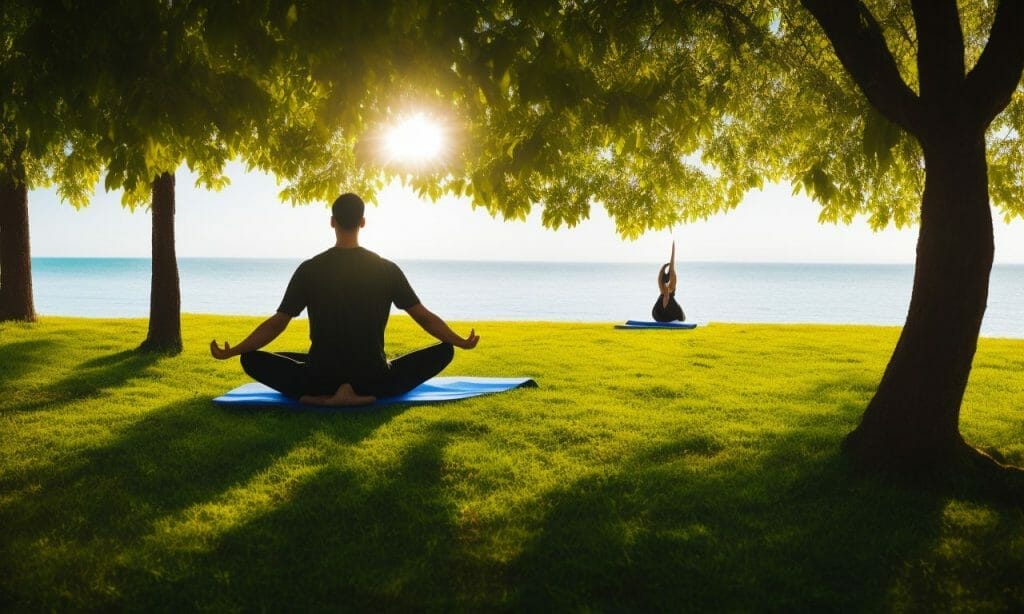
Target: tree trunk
point(15, 253)
point(165, 293)
point(912, 421)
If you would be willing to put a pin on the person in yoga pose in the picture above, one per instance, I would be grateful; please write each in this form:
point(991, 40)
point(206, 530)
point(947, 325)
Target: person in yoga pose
point(666, 309)
point(348, 291)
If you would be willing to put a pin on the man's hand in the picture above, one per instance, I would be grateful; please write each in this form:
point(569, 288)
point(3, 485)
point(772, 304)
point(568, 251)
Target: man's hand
point(470, 342)
point(221, 353)
point(434, 325)
point(266, 332)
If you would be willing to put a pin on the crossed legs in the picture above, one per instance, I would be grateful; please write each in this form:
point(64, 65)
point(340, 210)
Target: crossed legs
point(286, 373)
point(408, 371)
point(282, 371)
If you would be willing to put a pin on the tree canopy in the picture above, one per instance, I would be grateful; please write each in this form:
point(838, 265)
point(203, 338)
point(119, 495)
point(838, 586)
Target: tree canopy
point(40, 107)
point(661, 112)
point(170, 84)
point(666, 112)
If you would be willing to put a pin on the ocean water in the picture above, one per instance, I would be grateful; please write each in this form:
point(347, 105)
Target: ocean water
point(578, 292)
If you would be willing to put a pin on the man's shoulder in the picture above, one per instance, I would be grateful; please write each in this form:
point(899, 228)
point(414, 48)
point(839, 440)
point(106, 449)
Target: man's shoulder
point(312, 260)
point(331, 255)
point(360, 257)
point(387, 262)
point(375, 257)
point(372, 261)
point(366, 253)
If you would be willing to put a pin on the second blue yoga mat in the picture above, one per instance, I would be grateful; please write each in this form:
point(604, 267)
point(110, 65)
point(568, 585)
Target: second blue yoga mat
point(640, 325)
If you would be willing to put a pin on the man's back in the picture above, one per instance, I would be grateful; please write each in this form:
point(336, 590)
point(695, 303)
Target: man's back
point(348, 293)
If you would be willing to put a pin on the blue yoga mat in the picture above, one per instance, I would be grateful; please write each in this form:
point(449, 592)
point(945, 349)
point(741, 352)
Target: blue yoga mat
point(431, 391)
point(640, 325)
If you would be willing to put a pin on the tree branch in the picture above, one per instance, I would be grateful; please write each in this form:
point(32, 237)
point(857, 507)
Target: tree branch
point(940, 49)
point(858, 43)
point(992, 81)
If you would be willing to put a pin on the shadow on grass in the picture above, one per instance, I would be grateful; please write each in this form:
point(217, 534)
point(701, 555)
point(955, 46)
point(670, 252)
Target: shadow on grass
point(93, 377)
point(21, 357)
point(686, 525)
point(673, 534)
point(792, 528)
point(336, 543)
point(105, 500)
point(671, 530)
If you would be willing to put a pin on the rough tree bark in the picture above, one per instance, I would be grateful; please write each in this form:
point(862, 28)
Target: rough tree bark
point(912, 422)
point(15, 253)
point(165, 292)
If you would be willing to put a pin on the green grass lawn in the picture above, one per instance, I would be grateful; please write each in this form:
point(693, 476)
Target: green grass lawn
point(651, 470)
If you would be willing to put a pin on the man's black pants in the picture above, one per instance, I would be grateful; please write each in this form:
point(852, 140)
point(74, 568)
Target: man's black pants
point(286, 372)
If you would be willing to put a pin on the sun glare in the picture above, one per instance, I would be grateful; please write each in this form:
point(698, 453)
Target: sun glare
point(417, 139)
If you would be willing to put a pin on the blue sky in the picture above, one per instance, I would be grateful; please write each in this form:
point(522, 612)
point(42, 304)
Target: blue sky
point(246, 219)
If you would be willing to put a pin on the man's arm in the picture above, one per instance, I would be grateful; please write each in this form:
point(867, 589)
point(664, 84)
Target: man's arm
point(263, 334)
point(437, 327)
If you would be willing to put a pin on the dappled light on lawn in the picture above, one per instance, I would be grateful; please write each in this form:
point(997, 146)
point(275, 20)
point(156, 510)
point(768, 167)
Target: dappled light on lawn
point(649, 470)
point(200, 526)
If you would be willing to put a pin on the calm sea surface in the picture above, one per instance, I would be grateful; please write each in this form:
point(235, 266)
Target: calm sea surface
point(457, 290)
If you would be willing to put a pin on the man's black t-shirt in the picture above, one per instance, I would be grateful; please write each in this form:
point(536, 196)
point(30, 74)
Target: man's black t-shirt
point(348, 292)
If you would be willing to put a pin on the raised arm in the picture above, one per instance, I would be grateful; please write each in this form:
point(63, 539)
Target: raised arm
point(263, 334)
point(437, 327)
point(672, 270)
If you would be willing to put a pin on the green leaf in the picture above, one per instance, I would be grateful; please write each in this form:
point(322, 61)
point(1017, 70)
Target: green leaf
point(880, 136)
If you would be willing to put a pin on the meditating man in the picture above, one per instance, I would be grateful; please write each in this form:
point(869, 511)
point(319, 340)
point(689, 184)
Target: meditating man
point(348, 291)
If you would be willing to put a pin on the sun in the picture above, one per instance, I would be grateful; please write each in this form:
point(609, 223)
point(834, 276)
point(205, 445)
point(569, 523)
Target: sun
point(415, 140)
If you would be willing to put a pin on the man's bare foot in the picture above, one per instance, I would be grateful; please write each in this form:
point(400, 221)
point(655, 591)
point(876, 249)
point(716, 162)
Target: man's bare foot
point(345, 397)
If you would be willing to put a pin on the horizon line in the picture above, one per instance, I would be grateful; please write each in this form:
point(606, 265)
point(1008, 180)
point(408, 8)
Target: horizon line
point(524, 261)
